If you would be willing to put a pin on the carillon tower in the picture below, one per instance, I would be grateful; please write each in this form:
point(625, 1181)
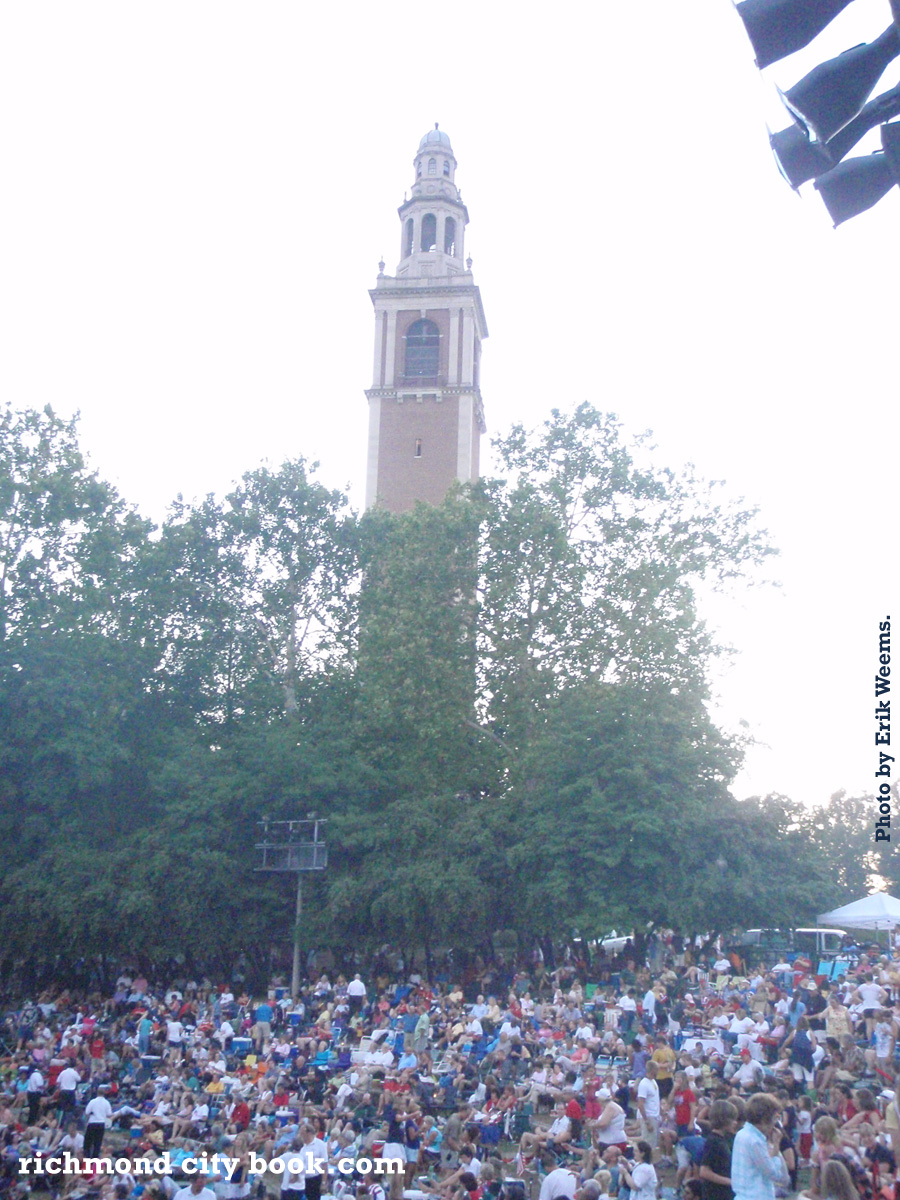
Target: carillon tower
point(425, 412)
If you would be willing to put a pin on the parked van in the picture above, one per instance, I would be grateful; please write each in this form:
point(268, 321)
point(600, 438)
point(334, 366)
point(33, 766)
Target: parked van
point(764, 947)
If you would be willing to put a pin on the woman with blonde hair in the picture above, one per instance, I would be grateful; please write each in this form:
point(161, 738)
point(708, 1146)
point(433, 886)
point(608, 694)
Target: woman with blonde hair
point(826, 1144)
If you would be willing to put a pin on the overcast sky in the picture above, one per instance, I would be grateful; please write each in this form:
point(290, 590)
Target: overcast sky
point(197, 195)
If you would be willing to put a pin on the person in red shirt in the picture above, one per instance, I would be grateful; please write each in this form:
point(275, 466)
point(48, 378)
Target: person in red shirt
point(685, 1103)
point(240, 1115)
point(98, 1053)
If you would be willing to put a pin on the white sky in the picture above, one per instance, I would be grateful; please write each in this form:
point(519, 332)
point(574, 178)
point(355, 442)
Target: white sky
point(197, 195)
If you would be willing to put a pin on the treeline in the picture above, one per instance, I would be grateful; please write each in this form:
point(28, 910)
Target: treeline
point(498, 704)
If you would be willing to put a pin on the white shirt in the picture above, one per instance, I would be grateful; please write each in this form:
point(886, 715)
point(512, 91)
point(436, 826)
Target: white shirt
point(559, 1183)
point(186, 1193)
point(648, 1091)
point(68, 1079)
point(311, 1156)
point(98, 1111)
point(562, 1125)
point(174, 1030)
point(628, 1003)
point(749, 1073)
point(356, 987)
point(644, 1176)
point(871, 994)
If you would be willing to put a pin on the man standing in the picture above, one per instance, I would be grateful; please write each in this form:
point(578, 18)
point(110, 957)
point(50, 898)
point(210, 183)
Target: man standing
point(262, 1029)
point(315, 1162)
point(666, 1061)
point(34, 1090)
point(648, 1010)
point(649, 1106)
point(97, 1115)
point(67, 1081)
point(356, 994)
point(756, 1162)
point(422, 1031)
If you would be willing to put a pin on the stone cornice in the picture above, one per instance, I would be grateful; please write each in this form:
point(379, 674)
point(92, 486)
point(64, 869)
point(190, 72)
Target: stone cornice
point(445, 291)
point(456, 389)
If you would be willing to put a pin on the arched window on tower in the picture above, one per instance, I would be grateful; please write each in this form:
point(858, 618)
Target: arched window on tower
point(446, 167)
point(423, 350)
point(429, 231)
point(432, 166)
point(410, 227)
point(449, 236)
point(418, 169)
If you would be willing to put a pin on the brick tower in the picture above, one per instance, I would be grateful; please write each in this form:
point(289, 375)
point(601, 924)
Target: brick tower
point(425, 412)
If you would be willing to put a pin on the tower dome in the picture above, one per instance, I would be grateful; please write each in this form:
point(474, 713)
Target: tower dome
point(435, 137)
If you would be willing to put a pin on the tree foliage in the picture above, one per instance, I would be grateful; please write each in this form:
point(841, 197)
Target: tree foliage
point(498, 703)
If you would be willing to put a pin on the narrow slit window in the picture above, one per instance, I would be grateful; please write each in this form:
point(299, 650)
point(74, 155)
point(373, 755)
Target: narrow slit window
point(449, 236)
point(432, 166)
point(418, 450)
point(446, 167)
point(409, 237)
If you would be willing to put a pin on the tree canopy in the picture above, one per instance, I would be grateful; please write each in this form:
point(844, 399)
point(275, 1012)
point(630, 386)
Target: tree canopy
point(499, 703)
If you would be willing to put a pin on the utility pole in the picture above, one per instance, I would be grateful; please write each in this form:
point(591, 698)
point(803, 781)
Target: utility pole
point(295, 846)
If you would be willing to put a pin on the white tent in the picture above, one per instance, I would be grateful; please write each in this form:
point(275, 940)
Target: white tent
point(879, 911)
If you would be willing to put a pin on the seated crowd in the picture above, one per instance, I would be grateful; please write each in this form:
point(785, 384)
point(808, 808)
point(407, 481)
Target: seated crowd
point(579, 1082)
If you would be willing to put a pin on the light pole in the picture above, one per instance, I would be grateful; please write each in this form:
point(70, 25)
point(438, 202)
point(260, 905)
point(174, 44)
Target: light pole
point(295, 846)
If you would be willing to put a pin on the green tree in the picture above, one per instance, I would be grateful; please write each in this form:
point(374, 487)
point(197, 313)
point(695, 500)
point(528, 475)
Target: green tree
point(589, 565)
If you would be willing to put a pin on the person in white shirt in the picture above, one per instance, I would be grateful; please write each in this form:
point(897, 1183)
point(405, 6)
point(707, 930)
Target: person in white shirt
point(559, 1183)
point(749, 1075)
point(67, 1081)
point(315, 1158)
point(649, 1009)
point(196, 1190)
point(560, 1130)
point(356, 993)
point(641, 1178)
point(34, 1090)
point(649, 1105)
point(174, 1039)
point(872, 996)
point(97, 1115)
point(628, 1007)
point(739, 1029)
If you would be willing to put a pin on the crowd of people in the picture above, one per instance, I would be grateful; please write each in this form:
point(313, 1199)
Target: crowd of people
point(676, 1072)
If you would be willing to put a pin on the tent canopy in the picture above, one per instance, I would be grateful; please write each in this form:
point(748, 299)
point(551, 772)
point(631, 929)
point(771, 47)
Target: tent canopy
point(878, 911)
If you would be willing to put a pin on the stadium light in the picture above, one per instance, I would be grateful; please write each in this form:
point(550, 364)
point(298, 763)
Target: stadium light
point(777, 28)
point(832, 94)
point(859, 183)
point(830, 105)
point(800, 159)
